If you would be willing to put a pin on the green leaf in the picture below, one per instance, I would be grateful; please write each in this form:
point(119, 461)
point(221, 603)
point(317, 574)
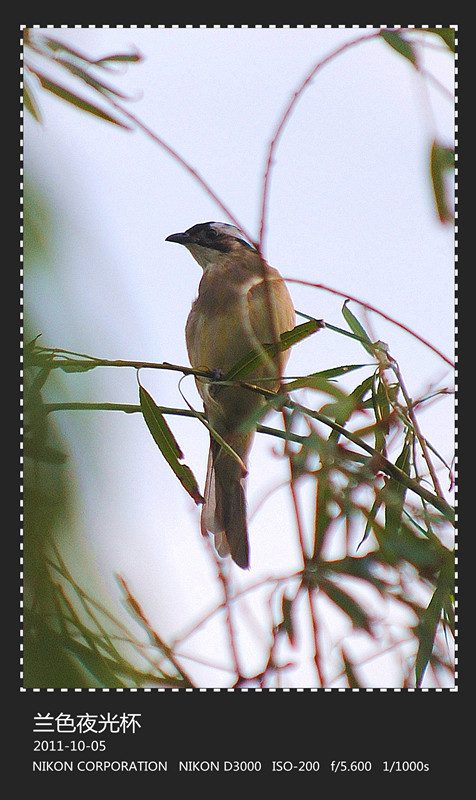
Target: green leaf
point(129, 58)
point(371, 517)
point(346, 603)
point(426, 632)
point(344, 407)
point(401, 45)
point(75, 100)
point(349, 671)
point(99, 86)
point(60, 47)
point(442, 160)
point(323, 517)
point(425, 555)
point(394, 493)
point(246, 365)
point(70, 365)
point(447, 34)
point(57, 46)
point(382, 409)
point(439, 605)
point(167, 444)
point(318, 382)
point(30, 102)
point(286, 623)
point(357, 329)
point(321, 380)
point(364, 568)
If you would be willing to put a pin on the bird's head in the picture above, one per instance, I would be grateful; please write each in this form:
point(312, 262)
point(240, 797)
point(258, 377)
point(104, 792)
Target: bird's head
point(208, 240)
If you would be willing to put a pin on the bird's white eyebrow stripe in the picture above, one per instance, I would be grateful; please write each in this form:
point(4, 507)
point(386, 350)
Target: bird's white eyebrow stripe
point(231, 230)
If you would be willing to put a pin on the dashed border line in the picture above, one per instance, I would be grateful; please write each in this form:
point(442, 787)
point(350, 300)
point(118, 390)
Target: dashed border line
point(225, 690)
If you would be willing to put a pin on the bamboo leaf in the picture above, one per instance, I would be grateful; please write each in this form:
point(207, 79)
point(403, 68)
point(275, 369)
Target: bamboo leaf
point(394, 493)
point(118, 58)
point(439, 606)
point(323, 516)
point(30, 102)
point(167, 444)
point(363, 568)
point(381, 407)
point(350, 672)
point(57, 46)
point(76, 100)
point(246, 365)
point(426, 632)
point(447, 34)
point(99, 86)
point(357, 329)
point(344, 407)
point(60, 47)
point(442, 160)
point(322, 380)
point(286, 623)
point(401, 45)
point(70, 365)
point(371, 517)
point(425, 555)
point(347, 604)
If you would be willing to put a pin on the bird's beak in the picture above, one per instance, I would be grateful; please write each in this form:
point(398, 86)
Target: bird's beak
point(180, 238)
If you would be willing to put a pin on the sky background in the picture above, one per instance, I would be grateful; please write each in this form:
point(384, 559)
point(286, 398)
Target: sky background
point(350, 206)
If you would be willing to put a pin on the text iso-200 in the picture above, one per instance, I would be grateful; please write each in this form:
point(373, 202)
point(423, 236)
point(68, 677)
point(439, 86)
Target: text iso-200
point(296, 766)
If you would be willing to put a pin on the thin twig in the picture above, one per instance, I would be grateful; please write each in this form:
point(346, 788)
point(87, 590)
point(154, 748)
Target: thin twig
point(416, 428)
point(227, 606)
point(182, 161)
point(286, 115)
point(155, 638)
point(375, 310)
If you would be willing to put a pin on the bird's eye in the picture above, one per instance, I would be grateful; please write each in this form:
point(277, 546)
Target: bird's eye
point(212, 233)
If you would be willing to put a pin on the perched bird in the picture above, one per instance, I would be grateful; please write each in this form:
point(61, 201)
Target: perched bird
point(242, 304)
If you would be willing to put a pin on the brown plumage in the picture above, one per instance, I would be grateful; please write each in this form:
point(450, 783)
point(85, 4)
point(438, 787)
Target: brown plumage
point(229, 319)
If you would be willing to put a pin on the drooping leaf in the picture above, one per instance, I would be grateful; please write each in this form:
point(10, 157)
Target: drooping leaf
point(447, 34)
point(401, 45)
point(426, 632)
point(425, 555)
point(347, 604)
point(30, 102)
point(60, 47)
point(442, 160)
point(430, 618)
point(286, 623)
point(381, 407)
point(357, 329)
point(350, 672)
point(343, 407)
point(371, 517)
point(76, 100)
point(167, 444)
point(394, 492)
point(90, 80)
point(364, 568)
point(323, 516)
point(246, 365)
point(322, 380)
point(57, 46)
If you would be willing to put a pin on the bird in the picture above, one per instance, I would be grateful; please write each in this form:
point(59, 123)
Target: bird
point(242, 305)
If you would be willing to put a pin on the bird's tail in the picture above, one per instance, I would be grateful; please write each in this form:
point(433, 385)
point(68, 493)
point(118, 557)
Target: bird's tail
point(224, 510)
